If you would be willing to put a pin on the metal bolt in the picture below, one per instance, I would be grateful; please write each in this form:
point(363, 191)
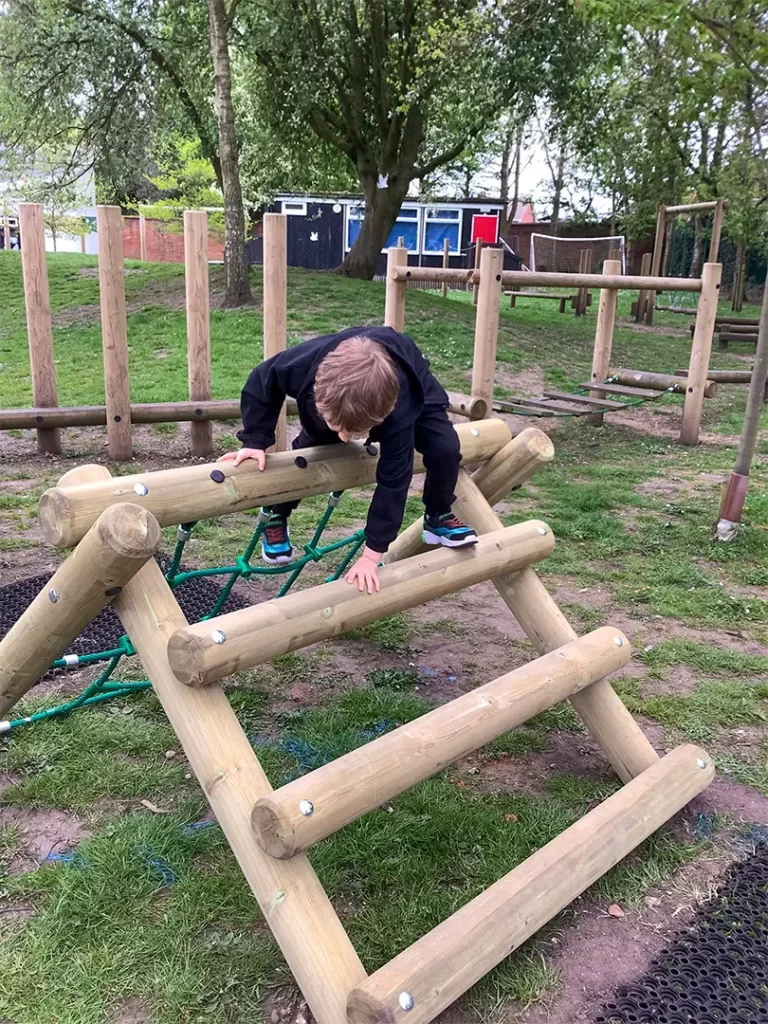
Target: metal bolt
point(618, 641)
point(217, 476)
point(140, 489)
point(70, 660)
point(372, 449)
point(300, 461)
point(218, 636)
point(112, 592)
point(307, 808)
point(406, 1000)
point(475, 433)
point(542, 530)
point(701, 762)
point(53, 597)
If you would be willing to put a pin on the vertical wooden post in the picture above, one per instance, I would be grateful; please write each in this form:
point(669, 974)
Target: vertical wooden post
point(39, 324)
point(478, 262)
point(198, 324)
point(276, 299)
point(642, 295)
point(114, 330)
point(658, 249)
point(701, 349)
point(606, 319)
point(394, 310)
point(446, 262)
point(585, 261)
point(142, 237)
point(487, 325)
point(717, 230)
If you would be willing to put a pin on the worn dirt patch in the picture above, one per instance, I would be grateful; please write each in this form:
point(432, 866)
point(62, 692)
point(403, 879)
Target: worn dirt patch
point(132, 1010)
point(41, 833)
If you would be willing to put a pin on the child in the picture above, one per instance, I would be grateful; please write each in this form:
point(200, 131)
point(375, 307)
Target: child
point(366, 382)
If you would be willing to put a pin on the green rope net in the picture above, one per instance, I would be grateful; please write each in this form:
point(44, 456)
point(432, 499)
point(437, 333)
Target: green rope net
point(104, 687)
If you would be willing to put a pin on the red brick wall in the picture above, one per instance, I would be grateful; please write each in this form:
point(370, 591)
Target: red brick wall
point(163, 245)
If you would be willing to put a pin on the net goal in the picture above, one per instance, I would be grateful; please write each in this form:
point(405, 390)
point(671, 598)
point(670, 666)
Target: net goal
point(564, 255)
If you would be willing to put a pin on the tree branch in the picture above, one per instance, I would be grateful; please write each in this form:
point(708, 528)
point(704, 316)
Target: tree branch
point(323, 129)
point(445, 157)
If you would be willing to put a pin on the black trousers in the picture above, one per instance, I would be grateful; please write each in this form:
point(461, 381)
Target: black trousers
point(436, 440)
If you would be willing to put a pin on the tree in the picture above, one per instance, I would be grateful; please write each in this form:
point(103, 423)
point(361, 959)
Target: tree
point(400, 87)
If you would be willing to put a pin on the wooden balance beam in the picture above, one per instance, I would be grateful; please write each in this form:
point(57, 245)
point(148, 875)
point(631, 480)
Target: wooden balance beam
point(203, 491)
point(308, 809)
point(209, 650)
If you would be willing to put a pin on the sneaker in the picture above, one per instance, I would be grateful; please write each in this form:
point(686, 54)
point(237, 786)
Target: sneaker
point(276, 547)
point(448, 531)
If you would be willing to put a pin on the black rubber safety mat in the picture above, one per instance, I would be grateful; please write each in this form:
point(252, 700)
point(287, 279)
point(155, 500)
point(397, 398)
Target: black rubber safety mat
point(716, 972)
point(196, 597)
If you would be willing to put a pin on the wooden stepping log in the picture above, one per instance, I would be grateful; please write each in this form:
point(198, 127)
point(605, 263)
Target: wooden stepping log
point(614, 389)
point(523, 404)
point(598, 403)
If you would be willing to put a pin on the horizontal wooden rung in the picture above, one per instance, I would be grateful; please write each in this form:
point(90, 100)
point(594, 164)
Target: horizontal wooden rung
point(545, 405)
point(598, 403)
point(616, 389)
point(433, 972)
point(539, 295)
point(316, 805)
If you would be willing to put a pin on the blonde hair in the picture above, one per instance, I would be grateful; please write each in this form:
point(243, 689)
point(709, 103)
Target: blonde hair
point(356, 385)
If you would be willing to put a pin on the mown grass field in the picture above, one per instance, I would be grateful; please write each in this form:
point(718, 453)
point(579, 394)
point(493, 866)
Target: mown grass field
point(113, 912)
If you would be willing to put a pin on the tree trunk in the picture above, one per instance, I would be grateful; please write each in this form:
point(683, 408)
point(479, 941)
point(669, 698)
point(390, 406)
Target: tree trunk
point(238, 289)
point(513, 138)
point(698, 248)
point(382, 206)
point(558, 183)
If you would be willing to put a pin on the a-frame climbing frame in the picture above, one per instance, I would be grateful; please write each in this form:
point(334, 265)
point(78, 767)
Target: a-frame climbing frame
point(268, 829)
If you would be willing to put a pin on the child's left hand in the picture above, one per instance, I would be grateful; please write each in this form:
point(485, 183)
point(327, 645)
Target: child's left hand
point(365, 571)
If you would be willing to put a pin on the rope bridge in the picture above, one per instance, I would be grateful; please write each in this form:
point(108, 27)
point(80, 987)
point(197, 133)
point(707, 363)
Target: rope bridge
point(105, 687)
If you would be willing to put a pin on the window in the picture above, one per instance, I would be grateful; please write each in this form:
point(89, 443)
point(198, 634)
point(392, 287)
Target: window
point(440, 224)
point(294, 209)
point(406, 226)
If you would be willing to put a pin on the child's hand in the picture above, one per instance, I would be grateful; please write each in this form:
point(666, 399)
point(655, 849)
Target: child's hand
point(365, 571)
point(245, 453)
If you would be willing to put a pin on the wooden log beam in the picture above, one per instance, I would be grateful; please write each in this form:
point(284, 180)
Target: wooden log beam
point(203, 491)
point(276, 300)
point(294, 903)
point(210, 650)
point(513, 278)
point(696, 207)
point(599, 707)
point(198, 325)
point(96, 415)
point(114, 329)
point(701, 349)
point(606, 321)
point(42, 366)
point(723, 376)
point(488, 294)
point(433, 972)
point(308, 809)
point(117, 545)
point(394, 307)
point(656, 381)
point(509, 469)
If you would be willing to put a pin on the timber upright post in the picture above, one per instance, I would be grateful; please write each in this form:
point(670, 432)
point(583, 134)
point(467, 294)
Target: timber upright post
point(394, 310)
point(446, 263)
point(606, 320)
point(585, 262)
point(717, 230)
point(276, 299)
point(142, 236)
point(658, 249)
point(198, 324)
point(39, 325)
point(487, 325)
point(114, 332)
point(701, 349)
point(642, 295)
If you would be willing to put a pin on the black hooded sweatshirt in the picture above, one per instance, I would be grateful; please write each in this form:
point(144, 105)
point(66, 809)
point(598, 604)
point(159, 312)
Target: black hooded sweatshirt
point(292, 373)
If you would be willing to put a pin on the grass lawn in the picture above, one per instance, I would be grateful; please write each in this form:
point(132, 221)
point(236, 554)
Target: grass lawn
point(119, 897)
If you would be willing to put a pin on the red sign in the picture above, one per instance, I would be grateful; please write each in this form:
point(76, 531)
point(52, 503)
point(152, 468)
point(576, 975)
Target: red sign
point(485, 226)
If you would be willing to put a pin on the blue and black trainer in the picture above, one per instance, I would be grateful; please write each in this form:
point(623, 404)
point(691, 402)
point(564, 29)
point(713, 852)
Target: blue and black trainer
point(276, 547)
point(447, 530)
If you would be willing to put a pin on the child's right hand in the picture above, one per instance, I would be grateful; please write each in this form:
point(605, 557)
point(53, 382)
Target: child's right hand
point(246, 453)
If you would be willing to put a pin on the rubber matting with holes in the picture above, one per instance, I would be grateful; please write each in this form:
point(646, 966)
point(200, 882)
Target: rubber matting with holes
point(196, 597)
point(716, 972)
